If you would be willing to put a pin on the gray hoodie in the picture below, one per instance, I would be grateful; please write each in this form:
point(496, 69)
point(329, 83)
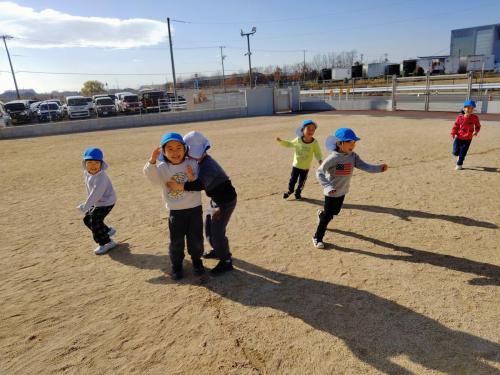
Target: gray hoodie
point(99, 189)
point(335, 172)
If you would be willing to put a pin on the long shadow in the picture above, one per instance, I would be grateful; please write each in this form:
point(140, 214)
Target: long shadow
point(407, 214)
point(375, 329)
point(483, 169)
point(489, 273)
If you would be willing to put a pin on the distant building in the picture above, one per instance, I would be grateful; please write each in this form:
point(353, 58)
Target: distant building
point(480, 40)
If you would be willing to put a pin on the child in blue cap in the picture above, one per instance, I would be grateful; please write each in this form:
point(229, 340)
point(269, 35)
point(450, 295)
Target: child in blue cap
point(466, 127)
point(100, 200)
point(185, 222)
point(218, 187)
point(305, 147)
point(335, 175)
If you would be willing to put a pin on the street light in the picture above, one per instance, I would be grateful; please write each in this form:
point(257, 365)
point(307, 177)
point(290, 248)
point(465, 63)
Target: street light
point(254, 29)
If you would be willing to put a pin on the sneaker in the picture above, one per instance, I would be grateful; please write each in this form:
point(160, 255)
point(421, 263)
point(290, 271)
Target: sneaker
point(458, 167)
point(286, 195)
point(319, 212)
point(198, 267)
point(176, 273)
point(298, 196)
point(318, 244)
point(111, 231)
point(103, 249)
point(212, 254)
point(222, 266)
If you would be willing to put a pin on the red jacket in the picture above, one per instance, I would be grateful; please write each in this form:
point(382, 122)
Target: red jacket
point(465, 127)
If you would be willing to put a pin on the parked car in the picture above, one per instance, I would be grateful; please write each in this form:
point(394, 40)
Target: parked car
point(129, 104)
point(94, 97)
point(149, 100)
point(119, 97)
point(19, 111)
point(90, 103)
point(104, 106)
point(5, 119)
point(49, 111)
point(76, 107)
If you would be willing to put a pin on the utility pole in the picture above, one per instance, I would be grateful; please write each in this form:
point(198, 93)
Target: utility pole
point(222, 57)
point(254, 29)
point(4, 37)
point(172, 57)
point(304, 79)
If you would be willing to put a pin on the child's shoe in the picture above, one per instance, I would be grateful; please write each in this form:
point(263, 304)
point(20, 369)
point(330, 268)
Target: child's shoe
point(458, 167)
point(198, 267)
point(103, 249)
point(212, 254)
point(222, 266)
point(287, 194)
point(298, 196)
point(177, 273)
point(111, 231)
point(318, 244)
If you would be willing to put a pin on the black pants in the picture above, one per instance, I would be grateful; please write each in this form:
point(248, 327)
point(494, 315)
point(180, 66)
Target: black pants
point(94, 220)
point(333, 205)
point(186, 223)
point(460, 148)
point(215, 230)
point(297, 174)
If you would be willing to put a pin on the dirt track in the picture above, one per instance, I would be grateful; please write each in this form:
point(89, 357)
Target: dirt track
point(408, 285)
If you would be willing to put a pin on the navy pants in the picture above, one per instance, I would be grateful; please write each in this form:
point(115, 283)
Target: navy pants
point(215, 229)
point(332, 207)
point(301, 176)
point(185, 226)
point(460, 148)
point(94, 220)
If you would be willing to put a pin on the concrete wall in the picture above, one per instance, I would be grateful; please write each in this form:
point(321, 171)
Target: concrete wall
point(357, 104)
point(260, 101)
point(108, 123)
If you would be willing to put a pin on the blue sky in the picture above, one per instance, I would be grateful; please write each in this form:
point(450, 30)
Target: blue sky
point(130, 40)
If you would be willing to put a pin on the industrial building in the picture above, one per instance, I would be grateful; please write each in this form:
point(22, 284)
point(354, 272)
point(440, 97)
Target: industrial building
point(474, 41)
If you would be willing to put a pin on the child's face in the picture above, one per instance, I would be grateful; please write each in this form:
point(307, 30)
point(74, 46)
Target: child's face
point(174, 151)
point(309, 130)
point(346, 147)
point(468, 110)
point(93, 166)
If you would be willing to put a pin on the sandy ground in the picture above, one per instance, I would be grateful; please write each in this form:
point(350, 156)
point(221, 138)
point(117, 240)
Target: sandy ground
point(409, 283)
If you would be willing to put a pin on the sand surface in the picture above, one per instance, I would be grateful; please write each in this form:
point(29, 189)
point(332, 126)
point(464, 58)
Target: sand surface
point(409, 282)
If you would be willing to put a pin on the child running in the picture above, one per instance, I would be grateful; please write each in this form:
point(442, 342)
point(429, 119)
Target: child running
point(335, 174)
point(100, 200)
point(305, 146)
point(466, 127)
point(185, 220)
point(221, 192)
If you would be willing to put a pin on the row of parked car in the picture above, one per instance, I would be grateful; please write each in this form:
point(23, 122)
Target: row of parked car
point(76, 107)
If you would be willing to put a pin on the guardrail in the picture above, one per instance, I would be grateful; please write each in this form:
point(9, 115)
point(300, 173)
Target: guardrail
point(421, 88)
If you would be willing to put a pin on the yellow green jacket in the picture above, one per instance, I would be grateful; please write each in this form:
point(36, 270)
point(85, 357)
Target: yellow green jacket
point(303, 152)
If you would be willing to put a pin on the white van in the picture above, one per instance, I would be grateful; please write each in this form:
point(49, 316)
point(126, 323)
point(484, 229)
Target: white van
point(76, 107)
point(5, 119)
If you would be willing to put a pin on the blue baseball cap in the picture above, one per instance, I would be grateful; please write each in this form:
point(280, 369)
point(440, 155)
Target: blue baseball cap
point(93, 153)
point(171, 137)
point(346, 135)
point(300, 130)
point(197, 144)
point(470, 103)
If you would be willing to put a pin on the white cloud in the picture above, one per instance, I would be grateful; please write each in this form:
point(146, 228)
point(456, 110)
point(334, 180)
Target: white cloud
point(52, 29)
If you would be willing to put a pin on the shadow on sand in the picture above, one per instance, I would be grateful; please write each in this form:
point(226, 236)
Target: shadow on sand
point(375, 329)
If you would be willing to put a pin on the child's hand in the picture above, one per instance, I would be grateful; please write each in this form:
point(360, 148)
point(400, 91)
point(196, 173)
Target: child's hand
point(384, 167)
point(174, 185)
point(453, 136)
point(331, 193)
point(216, 214)
point(474, 134)
point(189, 173)
point(155, 155)
point(278, 139)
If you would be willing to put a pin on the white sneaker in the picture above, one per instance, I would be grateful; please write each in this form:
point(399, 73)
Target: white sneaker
point(458, 167)
point(318, 244)
point(105, 248)
point(111, 231)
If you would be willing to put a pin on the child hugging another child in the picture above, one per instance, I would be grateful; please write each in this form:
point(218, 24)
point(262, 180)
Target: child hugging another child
point(305, 147)
point(168, 162)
